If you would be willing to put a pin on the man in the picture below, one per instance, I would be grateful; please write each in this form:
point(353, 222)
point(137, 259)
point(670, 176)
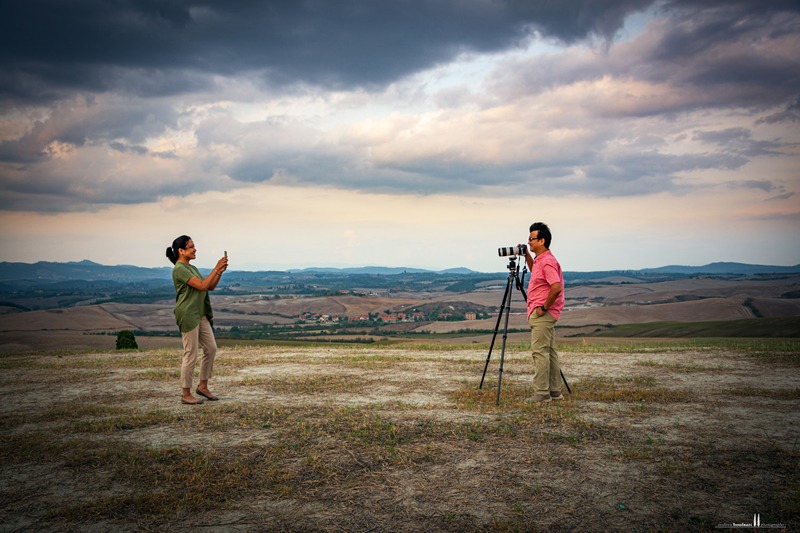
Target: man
point(545, 302)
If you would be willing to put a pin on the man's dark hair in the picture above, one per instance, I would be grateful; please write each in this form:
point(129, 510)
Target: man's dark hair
point(544, 232)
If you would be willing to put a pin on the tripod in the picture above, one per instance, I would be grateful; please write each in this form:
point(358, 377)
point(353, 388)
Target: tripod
point(505, 306)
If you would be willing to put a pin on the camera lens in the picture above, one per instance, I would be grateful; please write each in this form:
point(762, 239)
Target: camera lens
point(512, 250)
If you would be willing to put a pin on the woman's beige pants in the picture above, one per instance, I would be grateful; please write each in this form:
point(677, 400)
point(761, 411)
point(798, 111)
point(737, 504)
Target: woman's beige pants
point(203, 336)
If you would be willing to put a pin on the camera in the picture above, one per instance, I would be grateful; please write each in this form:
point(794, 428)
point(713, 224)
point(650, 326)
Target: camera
point(512, 250)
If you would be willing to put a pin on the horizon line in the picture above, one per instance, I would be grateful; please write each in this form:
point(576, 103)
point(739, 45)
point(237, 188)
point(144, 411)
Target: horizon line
point(406, 268)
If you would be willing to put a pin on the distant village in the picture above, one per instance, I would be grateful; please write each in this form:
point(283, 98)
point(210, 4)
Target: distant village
point(389, 317)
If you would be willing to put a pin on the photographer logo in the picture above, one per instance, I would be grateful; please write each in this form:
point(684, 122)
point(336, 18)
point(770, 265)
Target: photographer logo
point(755, 525)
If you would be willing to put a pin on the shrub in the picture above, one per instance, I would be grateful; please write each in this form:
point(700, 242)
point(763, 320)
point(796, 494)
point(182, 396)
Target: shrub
point(126, 340)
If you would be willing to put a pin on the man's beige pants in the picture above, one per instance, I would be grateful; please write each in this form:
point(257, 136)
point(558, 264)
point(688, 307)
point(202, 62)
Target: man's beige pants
point(546, 369)
point(203, 336)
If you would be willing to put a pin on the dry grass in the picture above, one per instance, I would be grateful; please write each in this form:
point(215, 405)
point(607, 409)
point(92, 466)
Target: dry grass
point(653, 438)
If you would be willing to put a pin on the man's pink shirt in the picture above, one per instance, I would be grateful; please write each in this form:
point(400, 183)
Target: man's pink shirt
point(545, 272)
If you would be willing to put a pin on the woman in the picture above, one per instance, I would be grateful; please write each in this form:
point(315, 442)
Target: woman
point(194, 316)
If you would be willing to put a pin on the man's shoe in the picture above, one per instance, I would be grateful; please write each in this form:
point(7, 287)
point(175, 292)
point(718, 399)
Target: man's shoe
point(538, 398)
point(556, 395)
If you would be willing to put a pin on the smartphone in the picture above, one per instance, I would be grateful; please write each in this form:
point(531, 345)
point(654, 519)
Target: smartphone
point(226, 253)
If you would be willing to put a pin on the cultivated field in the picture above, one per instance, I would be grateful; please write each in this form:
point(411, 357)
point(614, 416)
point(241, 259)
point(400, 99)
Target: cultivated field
point(655, 437)
point(590, 308)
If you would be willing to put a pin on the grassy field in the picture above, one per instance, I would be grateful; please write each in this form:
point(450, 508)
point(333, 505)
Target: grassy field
point(674, 435)
point(780, 327)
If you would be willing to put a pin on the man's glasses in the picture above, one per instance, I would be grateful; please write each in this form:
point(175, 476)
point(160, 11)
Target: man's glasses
point(531, 239)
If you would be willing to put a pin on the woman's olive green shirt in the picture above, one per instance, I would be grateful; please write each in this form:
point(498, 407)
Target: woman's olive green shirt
point(190, 304)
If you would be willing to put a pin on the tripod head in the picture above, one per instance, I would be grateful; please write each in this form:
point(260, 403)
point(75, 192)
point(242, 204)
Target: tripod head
point(513, 273)
point(512, 264)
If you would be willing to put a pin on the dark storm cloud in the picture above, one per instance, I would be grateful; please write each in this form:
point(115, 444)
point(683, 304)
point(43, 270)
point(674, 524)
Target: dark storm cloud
point(790, 114)
point(102, 78)
point(740, 141)
point(59, 195)
point(712, 54)
point(733, 50)
point(81, 121)
point(48, 47)
point(620, 174)
point(126, 148)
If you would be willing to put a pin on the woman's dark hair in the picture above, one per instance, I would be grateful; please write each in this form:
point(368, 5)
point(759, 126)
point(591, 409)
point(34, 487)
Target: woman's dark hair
point(177, 244)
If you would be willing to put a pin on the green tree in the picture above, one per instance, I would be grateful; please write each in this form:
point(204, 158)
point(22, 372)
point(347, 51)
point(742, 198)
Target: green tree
point(126, 340)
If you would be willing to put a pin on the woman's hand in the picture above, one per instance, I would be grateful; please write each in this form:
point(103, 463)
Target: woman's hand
point(222, 264)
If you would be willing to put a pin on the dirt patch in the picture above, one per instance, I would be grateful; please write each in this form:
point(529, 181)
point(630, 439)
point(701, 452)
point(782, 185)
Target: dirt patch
point(400, 439)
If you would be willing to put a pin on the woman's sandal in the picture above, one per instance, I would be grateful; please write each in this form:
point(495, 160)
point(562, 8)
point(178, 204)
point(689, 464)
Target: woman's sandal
point(196, 402)
point(209, 396)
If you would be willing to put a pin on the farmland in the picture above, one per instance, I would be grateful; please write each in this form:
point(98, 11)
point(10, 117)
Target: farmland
point(336, 307)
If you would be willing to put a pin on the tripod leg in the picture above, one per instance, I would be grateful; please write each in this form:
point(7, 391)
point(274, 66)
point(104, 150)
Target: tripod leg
point(506, 296)
point(503, 351)
point(565, 381)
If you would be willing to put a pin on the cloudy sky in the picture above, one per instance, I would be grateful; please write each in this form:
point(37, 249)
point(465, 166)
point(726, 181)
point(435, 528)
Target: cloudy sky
point(419, 133)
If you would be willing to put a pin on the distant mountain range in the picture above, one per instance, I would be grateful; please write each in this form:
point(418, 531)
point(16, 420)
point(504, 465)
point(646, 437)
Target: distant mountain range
point(724, 268)
point(45, 271)
point(384, 271)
